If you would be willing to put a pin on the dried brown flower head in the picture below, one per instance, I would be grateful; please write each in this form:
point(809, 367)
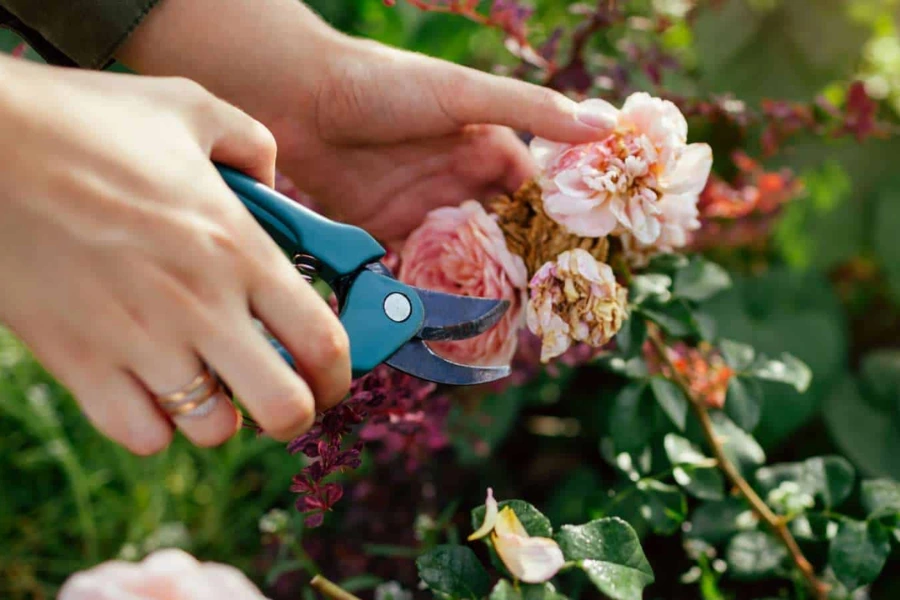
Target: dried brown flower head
point(534, 236)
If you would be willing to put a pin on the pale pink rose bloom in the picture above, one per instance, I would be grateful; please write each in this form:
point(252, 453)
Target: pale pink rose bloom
point(168, 574)
point(680, 218)
point(574, 298)
point(622, 184)
point(528, 559)
point(461, 250)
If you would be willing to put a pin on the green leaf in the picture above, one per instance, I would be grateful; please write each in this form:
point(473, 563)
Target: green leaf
point(715, 522)
point(454, 571)
point(739, 446)
point(880, 373)
point(880, 497)
point(789, 370)
point(786, 311)
point(738, 356)
point(675, 318)
point(754, 555)
point(631, 418)
point(701, 280)
point(652, 285)
point(858, 552)
point(886, 222)
point(633, 368)
point(609, 552)
point(743, 402)
point(534, 522)
point(630, 339)
point(828, 478)
point(671, 399)
point(664, 506)
point(868, 437)
point(696, 473)
point(504, 590)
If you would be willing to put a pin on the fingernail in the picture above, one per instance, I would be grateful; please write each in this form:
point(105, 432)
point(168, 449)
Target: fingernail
point(597, 116)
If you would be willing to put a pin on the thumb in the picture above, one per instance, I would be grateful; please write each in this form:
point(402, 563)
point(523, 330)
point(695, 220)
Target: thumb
point(481, 98)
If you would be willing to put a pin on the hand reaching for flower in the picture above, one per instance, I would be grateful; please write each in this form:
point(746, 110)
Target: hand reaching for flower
point(378, 136)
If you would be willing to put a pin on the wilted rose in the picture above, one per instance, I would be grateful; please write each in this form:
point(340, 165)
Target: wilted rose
point(575, 298)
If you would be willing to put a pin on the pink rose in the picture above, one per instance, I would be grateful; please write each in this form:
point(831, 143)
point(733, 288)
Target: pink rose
point(636, 181)
point(575, 298)
point(461, 250)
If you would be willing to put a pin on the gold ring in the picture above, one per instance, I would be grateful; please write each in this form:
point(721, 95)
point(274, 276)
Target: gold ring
point(195, 399)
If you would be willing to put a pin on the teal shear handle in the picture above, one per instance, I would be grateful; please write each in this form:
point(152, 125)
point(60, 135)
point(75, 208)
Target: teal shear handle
point(342, 252)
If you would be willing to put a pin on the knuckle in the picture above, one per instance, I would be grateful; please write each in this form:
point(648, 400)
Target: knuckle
point(333, 346)
point(290, 414)
point(148, 443)
point(549, 100)
point(263, 141)
point(215, 438)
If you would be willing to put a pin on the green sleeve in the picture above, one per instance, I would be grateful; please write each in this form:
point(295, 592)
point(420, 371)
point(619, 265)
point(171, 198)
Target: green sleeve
point(83, 33)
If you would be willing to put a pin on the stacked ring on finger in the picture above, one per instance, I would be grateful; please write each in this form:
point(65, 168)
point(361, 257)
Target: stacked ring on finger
point(196, 399)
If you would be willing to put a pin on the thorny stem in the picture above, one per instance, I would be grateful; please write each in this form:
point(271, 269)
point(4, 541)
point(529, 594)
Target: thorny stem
point(777, 524)
point(330, 589)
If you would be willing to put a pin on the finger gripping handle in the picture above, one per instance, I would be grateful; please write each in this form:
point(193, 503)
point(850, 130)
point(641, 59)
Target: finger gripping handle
point(340, 249)
point(375, 328)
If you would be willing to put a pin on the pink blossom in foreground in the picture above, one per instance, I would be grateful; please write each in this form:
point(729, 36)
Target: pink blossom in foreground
point(461, 250)
point(642, 180)
point(575, 298)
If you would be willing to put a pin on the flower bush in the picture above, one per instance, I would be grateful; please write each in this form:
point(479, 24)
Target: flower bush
point(595, 254)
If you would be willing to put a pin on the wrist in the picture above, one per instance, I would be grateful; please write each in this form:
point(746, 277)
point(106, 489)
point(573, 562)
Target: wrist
point(267, 62)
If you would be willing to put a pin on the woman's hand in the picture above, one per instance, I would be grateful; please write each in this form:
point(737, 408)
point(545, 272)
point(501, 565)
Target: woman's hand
point(127, 260)
point(378, 136)
point(164, 575)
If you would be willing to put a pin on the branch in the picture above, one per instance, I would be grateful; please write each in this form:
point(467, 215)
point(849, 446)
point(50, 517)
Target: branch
point(330, 589)
point(777, 524)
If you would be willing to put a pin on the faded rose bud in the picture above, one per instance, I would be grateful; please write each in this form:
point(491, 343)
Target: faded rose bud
point(574, 298)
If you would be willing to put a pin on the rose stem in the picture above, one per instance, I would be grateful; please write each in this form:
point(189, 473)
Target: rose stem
point(330, 589)
point(777, 524)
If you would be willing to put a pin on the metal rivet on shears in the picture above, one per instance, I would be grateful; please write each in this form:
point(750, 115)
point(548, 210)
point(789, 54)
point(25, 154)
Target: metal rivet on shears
point(397, 307)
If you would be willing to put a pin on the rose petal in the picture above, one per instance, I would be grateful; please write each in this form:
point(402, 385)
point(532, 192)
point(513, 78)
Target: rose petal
point(529, 559)
point(690, 172)
point(490, 517)
point(543, 151)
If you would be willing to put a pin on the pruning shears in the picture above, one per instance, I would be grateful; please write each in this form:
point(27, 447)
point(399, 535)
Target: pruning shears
point(386, 320)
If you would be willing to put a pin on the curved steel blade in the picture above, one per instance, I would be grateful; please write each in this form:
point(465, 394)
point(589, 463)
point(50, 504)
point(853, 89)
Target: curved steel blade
point(452, 317)
point(416, 359)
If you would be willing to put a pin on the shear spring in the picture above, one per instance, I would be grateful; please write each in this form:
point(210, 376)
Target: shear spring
point(307, 265)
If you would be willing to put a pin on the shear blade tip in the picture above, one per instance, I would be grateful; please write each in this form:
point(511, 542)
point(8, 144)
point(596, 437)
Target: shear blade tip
point(417, 359)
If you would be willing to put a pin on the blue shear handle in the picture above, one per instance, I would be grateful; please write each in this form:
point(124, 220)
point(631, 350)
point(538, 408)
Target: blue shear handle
point(374, 337)
point(340, 249)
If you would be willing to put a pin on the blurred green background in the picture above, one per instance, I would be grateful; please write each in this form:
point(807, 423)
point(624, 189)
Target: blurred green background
point(829, 295)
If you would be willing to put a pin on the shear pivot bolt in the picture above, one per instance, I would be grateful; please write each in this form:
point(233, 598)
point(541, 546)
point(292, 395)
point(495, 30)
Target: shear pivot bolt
point(397, 307)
